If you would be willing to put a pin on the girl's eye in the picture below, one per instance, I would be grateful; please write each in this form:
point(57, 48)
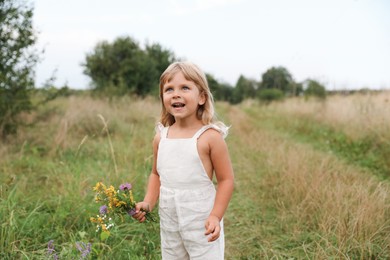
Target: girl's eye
point(168, 89)
point(186, 88)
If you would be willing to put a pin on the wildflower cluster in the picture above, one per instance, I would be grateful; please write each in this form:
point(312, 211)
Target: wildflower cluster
point(116, 203)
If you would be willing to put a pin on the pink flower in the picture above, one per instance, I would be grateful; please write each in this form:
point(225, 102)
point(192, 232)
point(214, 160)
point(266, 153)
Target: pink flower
point(125, 186)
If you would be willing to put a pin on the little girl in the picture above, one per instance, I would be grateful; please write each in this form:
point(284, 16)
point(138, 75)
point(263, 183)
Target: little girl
point(189, 148)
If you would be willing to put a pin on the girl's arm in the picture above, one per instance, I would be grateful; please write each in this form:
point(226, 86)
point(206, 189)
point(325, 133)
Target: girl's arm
point(220, 159)
point(153, 188)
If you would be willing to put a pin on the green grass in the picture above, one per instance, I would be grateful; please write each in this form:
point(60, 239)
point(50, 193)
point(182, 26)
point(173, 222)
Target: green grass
point(293, 199)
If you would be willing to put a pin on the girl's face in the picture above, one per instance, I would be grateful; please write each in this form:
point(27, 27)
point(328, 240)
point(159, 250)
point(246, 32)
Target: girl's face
point(181, 98)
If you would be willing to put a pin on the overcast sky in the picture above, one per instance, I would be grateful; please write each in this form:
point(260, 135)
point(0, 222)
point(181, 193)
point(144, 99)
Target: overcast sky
point(341, 43)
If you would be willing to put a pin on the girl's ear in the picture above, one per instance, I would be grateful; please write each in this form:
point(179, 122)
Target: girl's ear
point(202, 99)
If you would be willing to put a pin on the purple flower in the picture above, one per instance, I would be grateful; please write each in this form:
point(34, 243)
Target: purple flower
point(125, 186)
point(84, 249)
point(132, 212)
point(50, 246)
point(50, 249)
point(103, 210)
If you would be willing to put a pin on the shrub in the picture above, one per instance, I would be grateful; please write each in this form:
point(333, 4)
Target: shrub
point(271, 94)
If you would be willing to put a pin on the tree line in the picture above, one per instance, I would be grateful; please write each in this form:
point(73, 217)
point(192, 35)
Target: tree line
point(117, 68)
point(123, 66)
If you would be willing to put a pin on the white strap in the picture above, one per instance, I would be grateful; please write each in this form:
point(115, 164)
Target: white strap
point(223, 132)
point(161, 130)
point(201, 131)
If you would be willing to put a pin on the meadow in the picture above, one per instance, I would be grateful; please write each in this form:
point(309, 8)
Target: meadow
point(311, 178)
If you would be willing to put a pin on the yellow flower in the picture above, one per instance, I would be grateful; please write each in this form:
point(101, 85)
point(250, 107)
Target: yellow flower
point(104, 227)
point(99, 187)
point(120, 203)
point(113, 202)
point(110, 192)
point(98, 220)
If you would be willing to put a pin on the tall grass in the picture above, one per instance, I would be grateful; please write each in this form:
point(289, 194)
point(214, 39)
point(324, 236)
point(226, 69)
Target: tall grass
point(48, 173)
point(292, 199)
point(357, 115)
point(296, 201)
point(356, 127)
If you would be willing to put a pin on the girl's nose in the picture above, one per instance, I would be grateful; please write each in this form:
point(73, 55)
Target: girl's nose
point(176, 94)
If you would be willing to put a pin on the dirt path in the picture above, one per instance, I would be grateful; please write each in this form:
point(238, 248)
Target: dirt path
point(249, 218)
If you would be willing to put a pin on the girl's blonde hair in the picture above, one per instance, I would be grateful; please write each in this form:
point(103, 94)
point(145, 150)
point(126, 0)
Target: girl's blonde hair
point(192, 73)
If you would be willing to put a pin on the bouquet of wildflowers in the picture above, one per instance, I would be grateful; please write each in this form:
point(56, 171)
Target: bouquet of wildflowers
point(116, 204)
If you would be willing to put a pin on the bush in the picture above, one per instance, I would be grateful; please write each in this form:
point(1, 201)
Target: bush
point(271, 94)
point(315, 89)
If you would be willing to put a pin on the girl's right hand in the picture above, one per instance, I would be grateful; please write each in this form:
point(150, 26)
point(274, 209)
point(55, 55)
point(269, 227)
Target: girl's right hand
point(140, 211)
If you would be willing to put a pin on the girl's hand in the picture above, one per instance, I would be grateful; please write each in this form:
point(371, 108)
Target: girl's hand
point(140, 211)
point(213, 228)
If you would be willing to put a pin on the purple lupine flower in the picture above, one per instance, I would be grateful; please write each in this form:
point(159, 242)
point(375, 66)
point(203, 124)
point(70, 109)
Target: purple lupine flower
point(103, 210)
point(132, 212)
point(84, 249)
point(125, 186)
point(50, 249)
point(50, 246)
point(78, 246)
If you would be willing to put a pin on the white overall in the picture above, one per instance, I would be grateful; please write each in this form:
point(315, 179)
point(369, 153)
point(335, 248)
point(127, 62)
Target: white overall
point(186, 199)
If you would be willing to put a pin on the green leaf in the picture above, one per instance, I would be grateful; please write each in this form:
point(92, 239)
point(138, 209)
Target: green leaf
point(104, 235)
point(82, 234)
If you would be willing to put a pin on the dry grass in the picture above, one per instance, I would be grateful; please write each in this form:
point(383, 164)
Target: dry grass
point(324, 207)
point(357, 115)
point(69, 122)
point(350, 209)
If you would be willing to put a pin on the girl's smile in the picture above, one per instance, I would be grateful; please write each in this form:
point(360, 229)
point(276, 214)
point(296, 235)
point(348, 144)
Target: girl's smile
point(178, 105)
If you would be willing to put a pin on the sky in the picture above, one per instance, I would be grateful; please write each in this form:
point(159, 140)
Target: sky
point(343, 44)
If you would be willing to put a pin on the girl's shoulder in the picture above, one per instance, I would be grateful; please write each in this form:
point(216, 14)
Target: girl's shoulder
point(219, 128)
point(211, 135)
point(212, 138)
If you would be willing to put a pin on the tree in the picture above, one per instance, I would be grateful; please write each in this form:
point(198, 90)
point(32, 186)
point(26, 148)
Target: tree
point(314, 88)
point(161, 59)
point(124, 67)
point(278, 78)
point(245, 88)
point(17, 61)
point(220, 91)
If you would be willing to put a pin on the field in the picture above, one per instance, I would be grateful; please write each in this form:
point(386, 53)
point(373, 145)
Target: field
point(312, 178)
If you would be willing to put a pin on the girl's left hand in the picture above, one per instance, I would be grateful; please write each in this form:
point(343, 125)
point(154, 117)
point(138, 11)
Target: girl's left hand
point(140, 213)
point(213, 228)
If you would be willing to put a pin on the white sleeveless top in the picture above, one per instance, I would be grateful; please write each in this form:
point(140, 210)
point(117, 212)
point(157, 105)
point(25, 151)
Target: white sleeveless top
point(178, 161)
